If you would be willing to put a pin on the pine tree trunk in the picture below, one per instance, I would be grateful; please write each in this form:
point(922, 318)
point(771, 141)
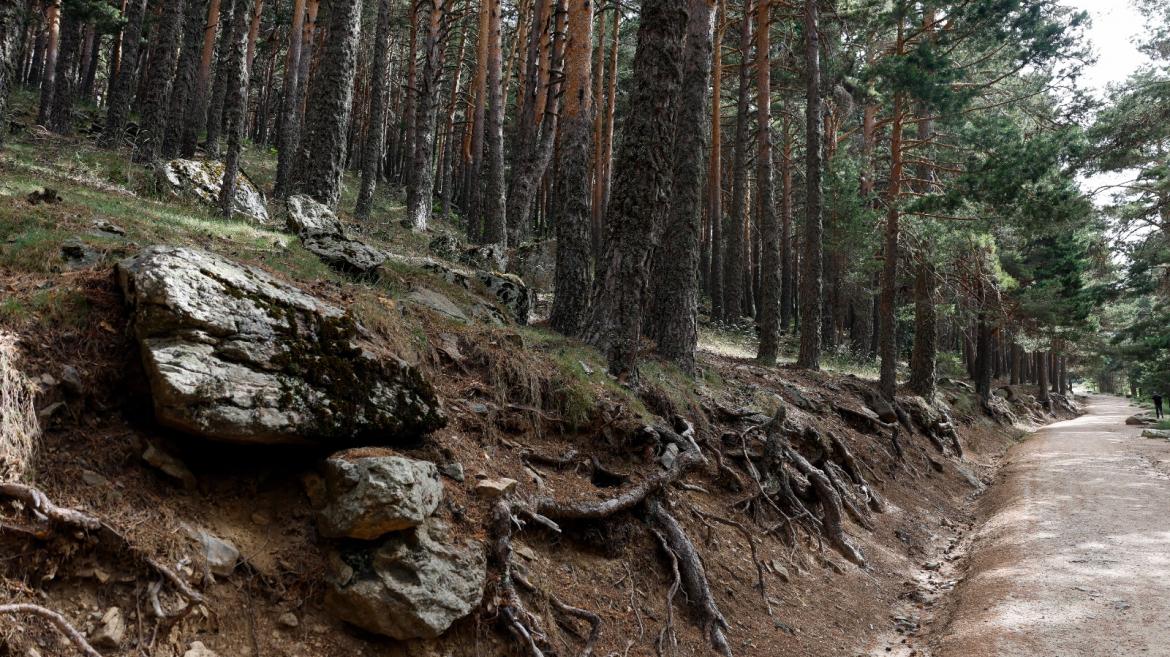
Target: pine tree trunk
point(495, 224)
point(376, 138)
point(253, 34)
point(182, 94)
point(290, 102)
point(715, 169)
point(610, 111)
point(675, 302)
point(235, 102)
point(159, 75)
point(812, 258)
point(922, 357)
point(771, 282)
point(887, 322)
point(61, 101)
point(330, 106)
point(11, 27)
point(574, 223)
point(410, 114)
point(618, 302)
point(91, 51)
point(196, 116)
point(118, 110)
point(476, 226)
point(787, 266)
point(528, 123)
point(420, 191)
point(734, 226)
point(447, 171)
point(1042, 378)
point(48, 77)
point(595, 218)
point(215, 110)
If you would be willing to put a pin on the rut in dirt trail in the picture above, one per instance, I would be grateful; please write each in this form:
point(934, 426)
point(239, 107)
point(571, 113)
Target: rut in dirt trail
point(1074, 558)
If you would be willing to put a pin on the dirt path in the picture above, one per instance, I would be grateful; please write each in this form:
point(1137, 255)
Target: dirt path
point(1074, 556)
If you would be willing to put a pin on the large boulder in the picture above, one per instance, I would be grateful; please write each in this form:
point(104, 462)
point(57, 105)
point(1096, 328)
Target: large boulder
point(234, 354)
point(202, 180)
point(411, 585)
point(369, 495)
point(506, 289)
point(323, 235)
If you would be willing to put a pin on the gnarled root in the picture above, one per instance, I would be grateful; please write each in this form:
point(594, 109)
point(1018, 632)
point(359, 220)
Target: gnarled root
point(830, 506)
point(692, 573)
point(42, 507)
point(58, 621)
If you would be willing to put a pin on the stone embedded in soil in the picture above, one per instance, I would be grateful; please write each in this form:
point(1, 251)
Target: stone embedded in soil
point(233, 354)
point(1139, 419)
point(110, 630)
point(493, 488)
point(288, 619)
point(323, 235)
point(202, 181)
point(370, 496)
point(197, 649)
point(411, 585)
point(1156, 433)
point(170, 465)
point(220, 555)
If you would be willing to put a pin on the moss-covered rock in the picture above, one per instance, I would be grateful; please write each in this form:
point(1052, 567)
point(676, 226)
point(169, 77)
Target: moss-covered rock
point(234, 354)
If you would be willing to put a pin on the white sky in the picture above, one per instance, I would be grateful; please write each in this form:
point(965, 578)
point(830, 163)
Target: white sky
point(1115, 23)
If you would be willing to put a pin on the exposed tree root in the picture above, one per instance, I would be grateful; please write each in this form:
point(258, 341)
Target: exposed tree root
point(58, 621)
point(830, 502)
point(668, 633)
point(41, 506)
point(568, 610)
point(628, 499)
point(693, 575)
point(751, 542)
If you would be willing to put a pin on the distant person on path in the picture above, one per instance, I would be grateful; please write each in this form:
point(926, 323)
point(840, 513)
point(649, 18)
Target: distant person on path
point(1157, 397)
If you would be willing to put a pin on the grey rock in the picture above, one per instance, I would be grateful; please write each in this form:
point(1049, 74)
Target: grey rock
point(197, 649)
point(370, 496)
point(412, 585)
point(106, 226)
point(323, 235)
point(668, 456)
point(289, 620)
point(91, 478)
point(111, 629)
point(236, 355)
point(169, 465)
point(344, 254)
point(454, 470)
point(308, 217)
point(438, 302)
point(71, 380)
point(1156, 433)
point(506, 289)
point(221, 556)
point(202, 181)
point(489, 257)
point(78, 255)
point(446, 246)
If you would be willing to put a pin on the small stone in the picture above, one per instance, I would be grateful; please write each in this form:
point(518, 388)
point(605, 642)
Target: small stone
point(51, 410)
point(372, 495)
point(169, 465)
point(493, 488)
point(454, 470)
point(668, 456)
point(111, 629)
point(108, 227)
point(91, 478)
point(197, 649)
point(221, 555)
point(932, 565)
point(479, 409)
point(526, 552)
point(288, 619)
point(260, 518)
point(71, 379)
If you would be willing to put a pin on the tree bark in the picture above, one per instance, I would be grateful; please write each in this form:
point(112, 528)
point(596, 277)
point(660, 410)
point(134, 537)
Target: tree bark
point(11, 26)
point(159, 75)
point(215, 113)
point(61, 100)
point(922, 357)
point(887, 321)
point(495, 223)
point(420, 190)
point(715, 169)
point(183, 92)
point(475, 223)
point(48, 78)
point(734, 226)
point(330, 106)
point(123, 87)
point(236, 71)
point(1042, 378)
point(787, 263)
point(618, 302)
point(574, 223)
point(615, 44)
point(196, 117)
point(812, 260)
point(376, 137)
point(771, 282)
point(675, 303)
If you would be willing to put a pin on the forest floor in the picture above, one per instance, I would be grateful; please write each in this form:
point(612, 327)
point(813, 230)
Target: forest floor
point(1070, 557)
